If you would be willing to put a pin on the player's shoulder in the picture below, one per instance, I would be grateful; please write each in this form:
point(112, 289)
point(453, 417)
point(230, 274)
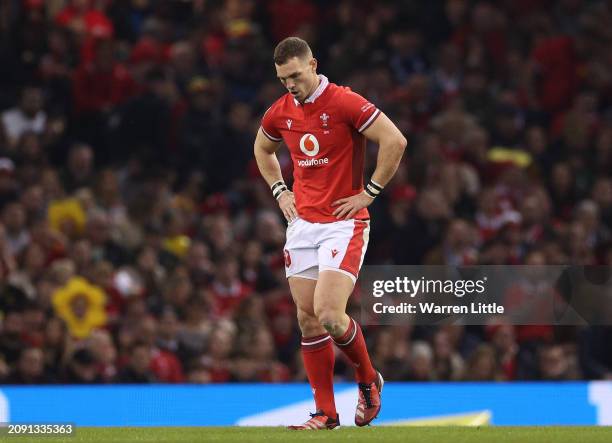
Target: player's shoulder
point(278, 105)
point(345, 95)
point(338, 91)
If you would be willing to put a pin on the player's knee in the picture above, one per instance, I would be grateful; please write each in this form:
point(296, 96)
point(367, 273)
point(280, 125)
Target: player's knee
point(308, 323)
point(331, 321)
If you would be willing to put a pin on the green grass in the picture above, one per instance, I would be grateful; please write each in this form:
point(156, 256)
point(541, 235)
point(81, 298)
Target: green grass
point(553, 434)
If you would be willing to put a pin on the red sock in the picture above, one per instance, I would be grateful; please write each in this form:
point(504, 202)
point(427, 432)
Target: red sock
point(353, 345)
point(318, 355)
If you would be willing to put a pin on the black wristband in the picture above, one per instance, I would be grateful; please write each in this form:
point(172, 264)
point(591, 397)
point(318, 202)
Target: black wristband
point(373, 189)
point(278, 188)
point(277, 184)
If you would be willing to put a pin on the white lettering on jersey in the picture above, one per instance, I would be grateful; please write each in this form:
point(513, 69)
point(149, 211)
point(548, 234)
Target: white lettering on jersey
point(313, 162)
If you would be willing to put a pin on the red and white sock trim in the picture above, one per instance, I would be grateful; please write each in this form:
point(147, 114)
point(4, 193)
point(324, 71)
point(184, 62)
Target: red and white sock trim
point(349, 335)
point(317, 342)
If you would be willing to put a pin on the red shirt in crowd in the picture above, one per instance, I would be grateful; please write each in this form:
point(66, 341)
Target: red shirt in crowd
point(556, 63)
point(287, 16)
point(227, 298)
point(90, 23)
point(166, 366)
point(97, 90)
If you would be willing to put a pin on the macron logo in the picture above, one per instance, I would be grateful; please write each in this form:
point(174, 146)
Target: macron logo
point(334, 252)
point(289, 122)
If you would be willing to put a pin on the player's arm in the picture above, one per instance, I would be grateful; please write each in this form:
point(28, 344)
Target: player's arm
point(265, 155)
point(391, 146)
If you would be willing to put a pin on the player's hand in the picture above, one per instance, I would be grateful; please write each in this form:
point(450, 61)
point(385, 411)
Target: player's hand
point(349, 206)
point(286, 202)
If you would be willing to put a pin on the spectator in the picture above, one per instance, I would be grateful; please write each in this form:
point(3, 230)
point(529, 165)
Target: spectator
point(448, 364)
point(594, 358)
point(165, 365)
point(99, 84)
point(30, 369)
point(17, 235)
point(391, 356)
point(28, 116)
point(137, 369)
point(257, 361)
point(482, 365)
point(55, 340)
point(81, 368)
point(79, 171)
point(421, 362)
point(9, 186)
point(226, 288)
point(103, 349)
point(11, 342)
point(217, 360)
point(145, 125)
point(200, 133)
point(506, 348)
point(554, 363)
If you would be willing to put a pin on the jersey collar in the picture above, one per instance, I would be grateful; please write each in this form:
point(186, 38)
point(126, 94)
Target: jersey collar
point(323, 83)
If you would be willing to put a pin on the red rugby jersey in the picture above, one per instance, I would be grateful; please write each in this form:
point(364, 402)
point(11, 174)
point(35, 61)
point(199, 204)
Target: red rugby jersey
point(324, 137)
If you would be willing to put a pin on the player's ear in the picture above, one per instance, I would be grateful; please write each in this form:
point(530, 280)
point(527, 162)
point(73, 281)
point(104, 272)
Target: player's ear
point(313, 64)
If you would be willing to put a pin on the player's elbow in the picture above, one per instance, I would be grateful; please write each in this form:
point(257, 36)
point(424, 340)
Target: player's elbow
point(399, 143)
point(402, 142)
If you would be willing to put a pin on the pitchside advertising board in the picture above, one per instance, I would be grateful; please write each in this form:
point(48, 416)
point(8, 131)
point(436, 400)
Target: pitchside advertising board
point(272, 405)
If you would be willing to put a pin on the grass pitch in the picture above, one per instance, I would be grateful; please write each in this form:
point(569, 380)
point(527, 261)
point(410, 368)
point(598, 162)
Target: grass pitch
point(552, 434)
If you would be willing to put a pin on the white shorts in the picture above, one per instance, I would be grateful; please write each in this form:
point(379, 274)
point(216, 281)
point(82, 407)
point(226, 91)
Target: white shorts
point(315, 247)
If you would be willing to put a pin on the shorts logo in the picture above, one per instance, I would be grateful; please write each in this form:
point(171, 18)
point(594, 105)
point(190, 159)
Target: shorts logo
point(287, 259)
point(309, 145)
point(334, 252)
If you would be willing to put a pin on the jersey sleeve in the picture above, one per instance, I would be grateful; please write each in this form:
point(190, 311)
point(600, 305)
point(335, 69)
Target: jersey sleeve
point(359, 111)
point(269, 128)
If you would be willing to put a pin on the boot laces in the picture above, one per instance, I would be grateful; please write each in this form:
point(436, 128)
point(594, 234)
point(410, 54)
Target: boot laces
point(366, 390)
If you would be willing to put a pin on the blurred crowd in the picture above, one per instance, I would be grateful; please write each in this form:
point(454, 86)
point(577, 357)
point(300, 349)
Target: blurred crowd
point(138, 242)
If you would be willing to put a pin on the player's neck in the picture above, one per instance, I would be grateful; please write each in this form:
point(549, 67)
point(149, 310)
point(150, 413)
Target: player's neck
point(313, 88)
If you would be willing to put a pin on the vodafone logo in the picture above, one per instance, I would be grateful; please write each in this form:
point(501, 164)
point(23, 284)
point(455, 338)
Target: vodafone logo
point(309, 145)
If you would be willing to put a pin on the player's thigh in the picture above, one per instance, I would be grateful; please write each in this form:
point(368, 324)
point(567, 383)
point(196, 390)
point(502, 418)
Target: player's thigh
point(302, 291)
point(342, 246)
point(331, 294)
point(301, 255)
